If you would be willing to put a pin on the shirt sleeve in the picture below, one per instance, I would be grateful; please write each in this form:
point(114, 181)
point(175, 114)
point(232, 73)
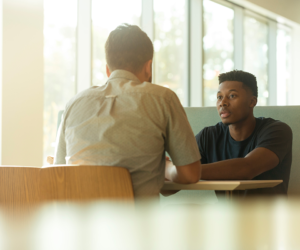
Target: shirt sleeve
point(276, 137)
point(200, 139)
point(180, 142)
point(60, 147)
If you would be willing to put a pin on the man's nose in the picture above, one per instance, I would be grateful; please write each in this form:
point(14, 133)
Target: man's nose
point(224, 102)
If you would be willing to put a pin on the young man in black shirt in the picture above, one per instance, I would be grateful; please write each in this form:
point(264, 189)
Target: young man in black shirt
point(243, 147)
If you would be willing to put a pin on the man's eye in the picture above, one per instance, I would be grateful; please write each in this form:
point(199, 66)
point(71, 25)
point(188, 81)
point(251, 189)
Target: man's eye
point(232, 96)
point(219, 97)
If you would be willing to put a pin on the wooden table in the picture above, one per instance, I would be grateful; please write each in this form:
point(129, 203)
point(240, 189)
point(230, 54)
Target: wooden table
point(228, 186)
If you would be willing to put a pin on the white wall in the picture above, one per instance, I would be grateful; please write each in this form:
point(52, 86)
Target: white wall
point(289, 9)
point(22, 83)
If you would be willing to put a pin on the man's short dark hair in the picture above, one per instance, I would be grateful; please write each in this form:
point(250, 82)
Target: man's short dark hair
point(240, 76)
point(129, 48)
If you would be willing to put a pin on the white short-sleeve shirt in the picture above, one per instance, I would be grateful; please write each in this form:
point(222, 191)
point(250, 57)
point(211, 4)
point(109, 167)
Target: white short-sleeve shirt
point(128, 124)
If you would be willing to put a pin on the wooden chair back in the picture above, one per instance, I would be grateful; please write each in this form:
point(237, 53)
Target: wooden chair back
point(26, 186)
point(18, 186)
point(82, 183)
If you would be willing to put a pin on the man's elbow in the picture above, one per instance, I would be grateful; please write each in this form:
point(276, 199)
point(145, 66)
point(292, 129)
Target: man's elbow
point(196, 177)
point(193, 177)
point(248, 177)
point(190, 173)
point(196, 173)
point(248, 174)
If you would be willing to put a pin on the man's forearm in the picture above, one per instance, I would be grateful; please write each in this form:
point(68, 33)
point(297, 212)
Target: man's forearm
point(187, 174)
point(255, 163)
point(233, 169)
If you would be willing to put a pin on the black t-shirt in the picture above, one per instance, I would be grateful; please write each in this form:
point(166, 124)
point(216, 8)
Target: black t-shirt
point(216, 144)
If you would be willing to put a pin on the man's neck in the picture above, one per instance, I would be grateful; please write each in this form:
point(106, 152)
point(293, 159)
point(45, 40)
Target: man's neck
point(142, 77)
point(242, 130)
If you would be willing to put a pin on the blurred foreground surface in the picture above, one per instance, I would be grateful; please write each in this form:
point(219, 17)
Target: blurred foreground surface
point(256, 224)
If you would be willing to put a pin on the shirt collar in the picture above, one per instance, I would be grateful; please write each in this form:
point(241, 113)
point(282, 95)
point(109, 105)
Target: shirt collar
point(120, 73)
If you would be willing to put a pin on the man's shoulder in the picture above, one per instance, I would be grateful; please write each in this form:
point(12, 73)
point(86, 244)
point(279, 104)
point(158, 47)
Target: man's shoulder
point(270, 129)
point(87, 93)
point(270, 123)
point(155, 90)
point(145, 88)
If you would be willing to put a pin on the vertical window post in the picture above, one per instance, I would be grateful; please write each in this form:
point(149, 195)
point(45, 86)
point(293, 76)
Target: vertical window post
point(187, 53)
point(196, 88)
point(272, 63)
point(147, 21)
point(84, 45)
point(238, 38)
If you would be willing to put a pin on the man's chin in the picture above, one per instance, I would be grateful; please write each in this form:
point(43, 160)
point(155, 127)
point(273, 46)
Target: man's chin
point(226, 123)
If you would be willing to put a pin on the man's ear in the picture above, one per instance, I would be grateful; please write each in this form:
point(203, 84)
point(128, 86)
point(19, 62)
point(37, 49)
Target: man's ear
point(148, 68)
point(107, 71)
point(253, 101)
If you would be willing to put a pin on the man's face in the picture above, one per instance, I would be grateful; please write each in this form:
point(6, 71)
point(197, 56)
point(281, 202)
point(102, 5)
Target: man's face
point(235, 102)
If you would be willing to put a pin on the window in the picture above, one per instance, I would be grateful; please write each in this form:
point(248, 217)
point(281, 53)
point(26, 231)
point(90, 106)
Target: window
point(256, 54)
point(217, 47)
point(105, 18)
point(283, 64)
point(221, 35)
point(170, 64)
point(60, 22)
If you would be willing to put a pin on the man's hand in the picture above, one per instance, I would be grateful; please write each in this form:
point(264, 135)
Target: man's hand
point(169, 163)
point(168, 192)
point(50, 160)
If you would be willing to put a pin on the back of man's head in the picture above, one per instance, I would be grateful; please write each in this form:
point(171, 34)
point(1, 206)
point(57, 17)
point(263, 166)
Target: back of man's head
point(129, 48)
point(246, 78)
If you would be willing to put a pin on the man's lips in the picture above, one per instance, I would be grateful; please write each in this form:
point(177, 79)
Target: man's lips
point(224, 114)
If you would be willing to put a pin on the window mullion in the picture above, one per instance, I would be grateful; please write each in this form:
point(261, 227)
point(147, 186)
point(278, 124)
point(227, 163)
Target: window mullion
point(187, 48)
point(196, 81)
point(147, 19)
point(238, 38)
point(272, 63)
point(84, 45)
point(294, 87)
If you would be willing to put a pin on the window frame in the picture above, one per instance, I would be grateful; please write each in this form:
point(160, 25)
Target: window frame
point(237, 54)
point(84, 45)
point(272, 55)
point(194, 45)
point(290, 85)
